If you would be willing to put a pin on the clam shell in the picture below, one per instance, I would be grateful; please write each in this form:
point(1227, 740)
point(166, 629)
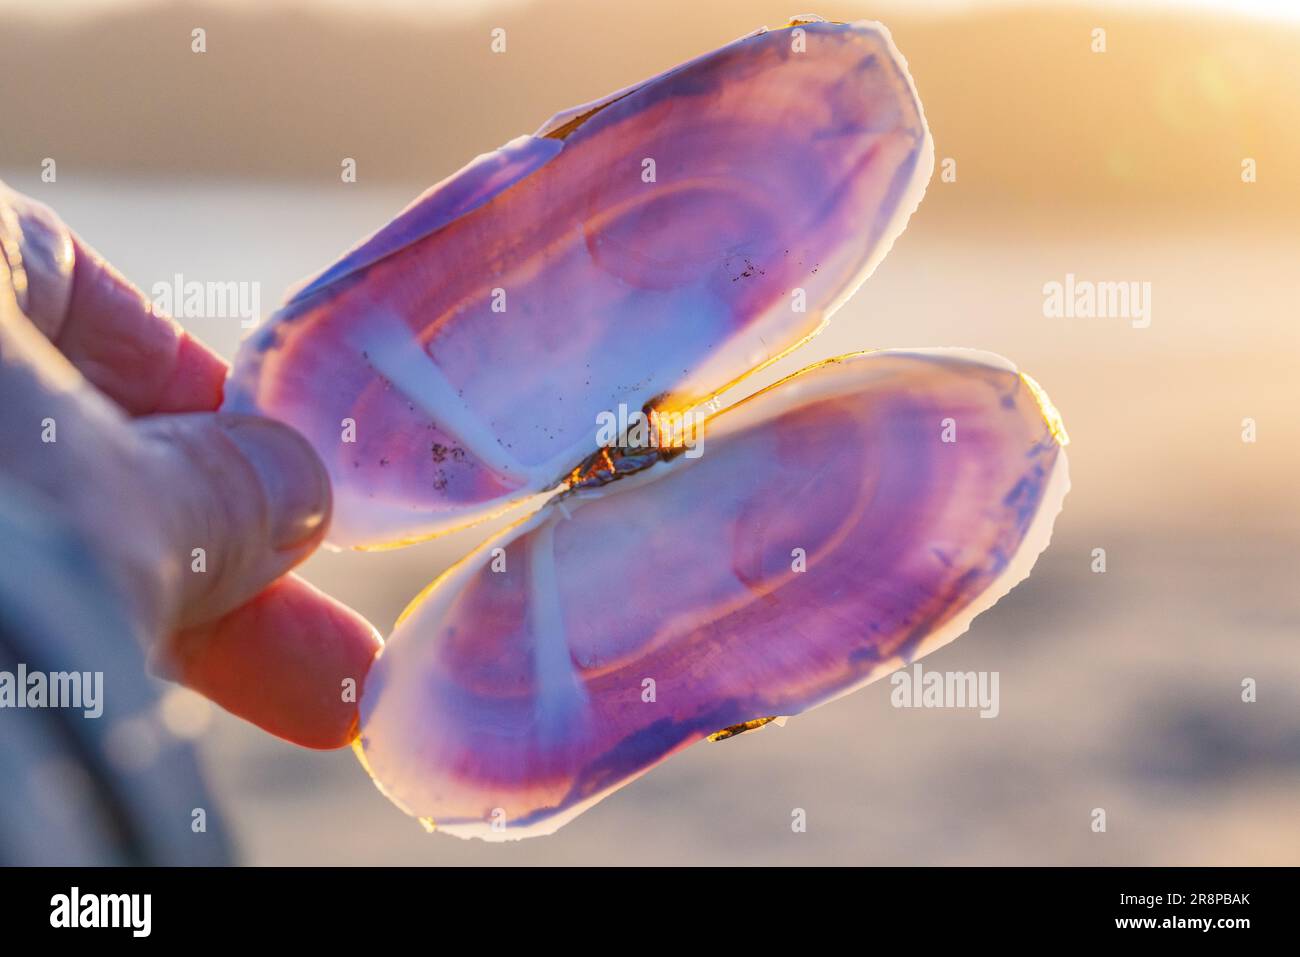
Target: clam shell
point(649, 250)
point(651, 247)
point(512, 695)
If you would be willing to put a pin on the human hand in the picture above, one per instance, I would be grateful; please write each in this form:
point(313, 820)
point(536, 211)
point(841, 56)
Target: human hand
point(109, 418)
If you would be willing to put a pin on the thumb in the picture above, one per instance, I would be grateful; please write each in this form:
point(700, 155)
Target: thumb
point(241, 500)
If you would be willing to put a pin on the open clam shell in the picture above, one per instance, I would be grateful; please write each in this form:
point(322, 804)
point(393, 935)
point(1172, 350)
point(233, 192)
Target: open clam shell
point(651, 247)
point(647, 251)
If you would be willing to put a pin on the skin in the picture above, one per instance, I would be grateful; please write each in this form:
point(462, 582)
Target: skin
point(144, 470)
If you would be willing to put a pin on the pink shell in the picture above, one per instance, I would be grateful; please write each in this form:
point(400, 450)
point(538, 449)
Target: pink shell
point(647, 251)
point(526, 677)
point(774, 171)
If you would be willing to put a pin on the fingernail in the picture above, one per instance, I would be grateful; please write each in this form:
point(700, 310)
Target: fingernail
point(294, 481)
point(40, 254)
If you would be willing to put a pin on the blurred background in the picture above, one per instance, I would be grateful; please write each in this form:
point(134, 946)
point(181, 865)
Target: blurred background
point(1120, 690)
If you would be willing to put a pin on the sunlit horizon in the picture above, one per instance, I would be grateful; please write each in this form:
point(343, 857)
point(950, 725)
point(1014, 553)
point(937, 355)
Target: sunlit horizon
point(1287, 10)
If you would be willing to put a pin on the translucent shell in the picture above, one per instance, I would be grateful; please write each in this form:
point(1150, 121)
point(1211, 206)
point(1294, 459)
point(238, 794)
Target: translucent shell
point(647, 251)
point(838, 525)
point(654, 246)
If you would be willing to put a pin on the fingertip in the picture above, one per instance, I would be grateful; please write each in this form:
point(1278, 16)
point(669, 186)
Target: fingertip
point(292, 661)
point(294, 483)
point(241, 500)
point(197, 380)
point(136, 354)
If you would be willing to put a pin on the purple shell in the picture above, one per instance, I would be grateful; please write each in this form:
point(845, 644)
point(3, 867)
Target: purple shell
point(649, 251)
point(516, 693)
point(774, 170)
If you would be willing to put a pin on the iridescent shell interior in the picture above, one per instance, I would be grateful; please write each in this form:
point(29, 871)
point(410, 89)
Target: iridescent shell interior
point(648, 251)
point(774, 170)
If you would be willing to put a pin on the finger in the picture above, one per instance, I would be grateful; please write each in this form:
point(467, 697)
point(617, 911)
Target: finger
point(106, 327)
point(291, 661)
point(240, 499)
point(141, 359)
